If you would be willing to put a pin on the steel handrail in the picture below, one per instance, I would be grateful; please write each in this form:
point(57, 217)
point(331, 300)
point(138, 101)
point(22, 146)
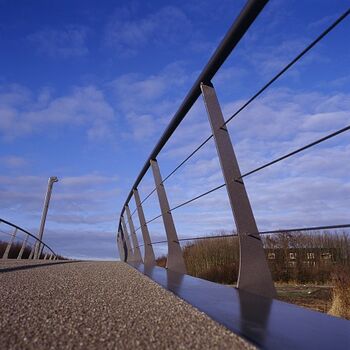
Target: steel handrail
point(28, 233)
point(228, 43)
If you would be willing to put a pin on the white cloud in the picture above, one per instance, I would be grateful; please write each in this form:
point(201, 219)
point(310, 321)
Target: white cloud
point(148, 102)
point(66, 42)
point(12, 161)
point(88, 243)
point(127, 33)
point(23, 113)
point(311, 188)
point(86, 192)
point(86, 180)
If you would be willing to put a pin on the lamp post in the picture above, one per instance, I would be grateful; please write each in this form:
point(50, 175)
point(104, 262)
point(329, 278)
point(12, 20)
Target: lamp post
point(52, 180)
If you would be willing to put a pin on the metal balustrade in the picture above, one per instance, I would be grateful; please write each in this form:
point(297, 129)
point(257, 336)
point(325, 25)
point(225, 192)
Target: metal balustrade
point(254, 274)
point(18, 234)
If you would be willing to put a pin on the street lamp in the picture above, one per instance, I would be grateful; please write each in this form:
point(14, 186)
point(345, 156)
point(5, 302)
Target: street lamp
point(52, 180)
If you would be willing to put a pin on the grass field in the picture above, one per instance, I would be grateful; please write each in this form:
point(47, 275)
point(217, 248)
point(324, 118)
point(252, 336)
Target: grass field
point(314, 297)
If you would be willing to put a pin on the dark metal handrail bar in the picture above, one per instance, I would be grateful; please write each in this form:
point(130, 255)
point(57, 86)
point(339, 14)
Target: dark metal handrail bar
point(228, 43)
point(257, 94)
point(28, 233)
point(252, 256)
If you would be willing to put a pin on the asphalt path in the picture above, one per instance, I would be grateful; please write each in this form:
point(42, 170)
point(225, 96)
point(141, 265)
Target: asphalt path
point(98, 305)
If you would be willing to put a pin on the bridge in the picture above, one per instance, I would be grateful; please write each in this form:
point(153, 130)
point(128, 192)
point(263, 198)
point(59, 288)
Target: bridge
point(137, 304)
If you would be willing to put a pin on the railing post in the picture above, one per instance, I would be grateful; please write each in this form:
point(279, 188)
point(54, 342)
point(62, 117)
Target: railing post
point(23, 247)
point(121, 246)
point(130, 256)
point(9, 244)
point(175, 260)
point(45, 257)
point(254, 274)
point(31, 255)
point(50, 258)
point(137, 252)
point(118, 243)
point(149, 257)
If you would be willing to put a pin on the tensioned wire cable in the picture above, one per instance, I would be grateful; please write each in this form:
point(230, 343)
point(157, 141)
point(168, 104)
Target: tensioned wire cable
point(290, 154)
point(292, 230)
point(258, 93)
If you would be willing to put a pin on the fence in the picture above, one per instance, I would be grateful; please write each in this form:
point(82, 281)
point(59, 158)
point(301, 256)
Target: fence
point(254, 274)
point(22, 244)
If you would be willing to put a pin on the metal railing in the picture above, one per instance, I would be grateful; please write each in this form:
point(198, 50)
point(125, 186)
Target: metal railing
point(29, 243)
point(254, 274)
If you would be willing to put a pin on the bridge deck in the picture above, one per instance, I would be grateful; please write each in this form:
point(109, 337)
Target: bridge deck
point(98, 305)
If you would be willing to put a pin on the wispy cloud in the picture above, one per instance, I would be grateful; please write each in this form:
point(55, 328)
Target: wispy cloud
point(23, 113)
point(69, 41)
point(12, 161)
point(127, 32)
point(84, 191)
point(82, 211)
point(309, 189)
point(148, 102)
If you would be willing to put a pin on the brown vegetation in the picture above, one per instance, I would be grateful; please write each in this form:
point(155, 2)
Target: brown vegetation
point(317, 270)
point(217, 259)
point(341, 294)
point(306, 282)
point(14, 251)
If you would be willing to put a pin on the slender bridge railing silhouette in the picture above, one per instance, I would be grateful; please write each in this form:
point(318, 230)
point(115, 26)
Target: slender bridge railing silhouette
point(254, 274)
point(29, 242)
point(91, 304)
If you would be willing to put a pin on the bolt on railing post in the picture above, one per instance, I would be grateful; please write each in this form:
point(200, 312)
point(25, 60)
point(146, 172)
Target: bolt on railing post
point(149, 257)
point(9, 244)
point(23, 247)
point(254, 274)
point(175, 260)
point(130, 256)
point(137, 252)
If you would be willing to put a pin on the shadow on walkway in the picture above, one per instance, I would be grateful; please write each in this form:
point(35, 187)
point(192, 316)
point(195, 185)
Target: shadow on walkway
point(26, 267)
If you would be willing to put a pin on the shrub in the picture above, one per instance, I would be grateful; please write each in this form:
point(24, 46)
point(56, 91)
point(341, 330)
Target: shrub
point(341, 293)
point(217, 259)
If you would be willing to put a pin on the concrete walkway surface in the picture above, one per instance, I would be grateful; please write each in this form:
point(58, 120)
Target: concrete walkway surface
point(98, 305)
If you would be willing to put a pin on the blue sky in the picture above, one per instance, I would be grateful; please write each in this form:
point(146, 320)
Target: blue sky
point(87, 87)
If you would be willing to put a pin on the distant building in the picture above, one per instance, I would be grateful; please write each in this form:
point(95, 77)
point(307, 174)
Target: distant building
point(293, 257)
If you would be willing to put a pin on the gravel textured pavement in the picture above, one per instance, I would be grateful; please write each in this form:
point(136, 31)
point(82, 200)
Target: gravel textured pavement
point(98, 305)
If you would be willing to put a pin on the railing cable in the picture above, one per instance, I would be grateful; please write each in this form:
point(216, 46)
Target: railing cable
point(197, 197)
point(267, 85)
point(188, 157)
point(177, 168)
point(327, 137)
point(301, 229)
point(291, 63)
point(280, 231)
point(296, 151)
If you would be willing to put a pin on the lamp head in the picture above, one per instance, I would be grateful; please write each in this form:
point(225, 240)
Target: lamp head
point(53, 179)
